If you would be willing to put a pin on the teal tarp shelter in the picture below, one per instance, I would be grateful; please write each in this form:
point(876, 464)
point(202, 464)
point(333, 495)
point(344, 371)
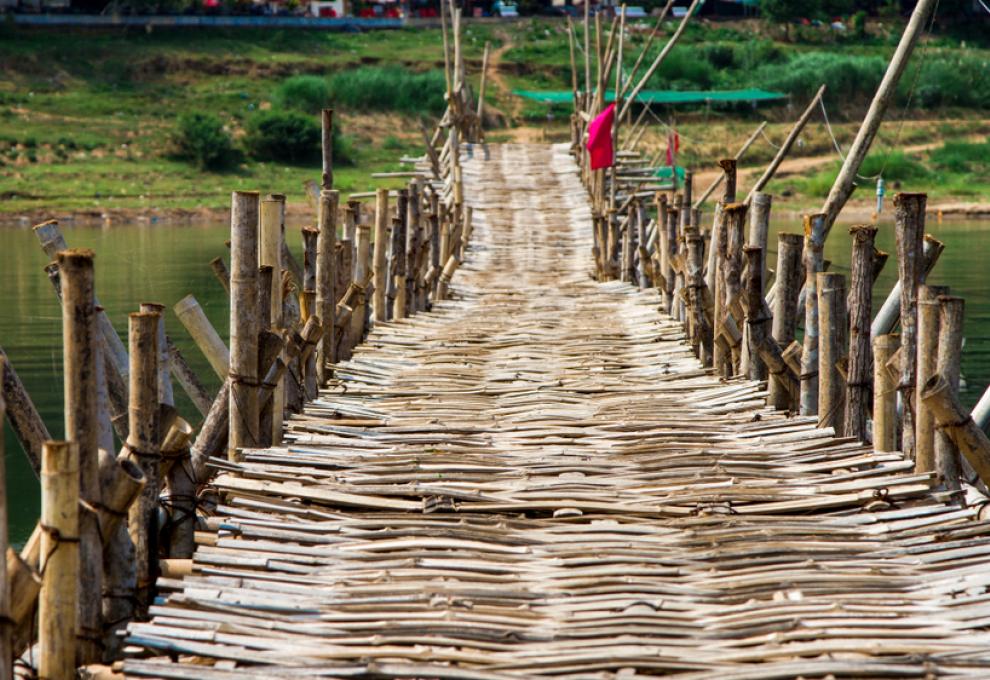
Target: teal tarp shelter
point(664, 96)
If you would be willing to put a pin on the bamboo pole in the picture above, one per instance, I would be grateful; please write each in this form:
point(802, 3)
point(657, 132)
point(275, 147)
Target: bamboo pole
point(484, 74)
point(844, 183)
point(785, 148)
point(814, 236)
point(270, 239)
point(757, 314)
point(326, 297)
point(192, 317)
point(950, 341)
point(832, 342)
point(6, 627)
point(884, 394)
point(759, 234)
point(186, 377)
point(910, 226)
point(243, 323)
point(221, 273)
point(702, 336)
point(646, 48)
point(739, 154)
point(660, 57)
point(890, 311)
point(859, 376)
point(957, 425)
point(59, 560)
point(165, 395)
point(181, 493)
point(326, 179)
point(928, 336)
point(380, 266)
point(142, 444)
point(785, 306)
point(79, 344)
point(22, 415)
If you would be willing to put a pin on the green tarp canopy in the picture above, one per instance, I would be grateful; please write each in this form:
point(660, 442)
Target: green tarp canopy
point(663, 96)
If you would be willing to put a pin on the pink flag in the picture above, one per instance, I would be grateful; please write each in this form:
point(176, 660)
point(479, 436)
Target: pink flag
point(600, 139)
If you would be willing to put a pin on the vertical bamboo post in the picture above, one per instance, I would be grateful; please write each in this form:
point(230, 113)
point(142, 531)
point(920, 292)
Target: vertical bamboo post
point(759, 232)
point(310, 237)
point(244, 328)
point(59, 560)
point(191, 315)
point(82, 427)
point(702, 333)
point(326, 298)
point(165, 394)
point(734, 234)
point(716, 263)
point(832, 343)
point(362, 275)
point(814, 237)
point(756, 307)
point(950, 337)
point(6, 627)
point(352, 218)
point(326, 118)
point(673, 217)
point(928, 335)
point(909, 222)
point(413, 240)
point(142, 443)
point(860, 308)
point(265, 275)
point(785, 308)
point(398, 255)
point(884, 394)
point(270, 240)
point(380, 265)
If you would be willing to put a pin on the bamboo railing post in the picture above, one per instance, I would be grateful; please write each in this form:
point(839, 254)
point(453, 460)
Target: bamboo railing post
point(721, 355)
point(59, 560)
point(6, 622)
point(221, 273)
point(143, 447)
point(181, 493)
point(756, 307)
point(362, 275)
point(702, 336)
point(950, 341)
point(310, 236)
point(832, 343)
point(399, 255)
point(735, 214)
point(673, 219)
point(326, 298)
point(326, 119)
point(165, 394)
point(243, 418)
point(859, 378)
point(412, 247)
point(191, 315)
point(928, 353)
point(910, 228)
point(79, 343)
point(890, 310)
point(814, 238)
point(270, 240)
point(758, 237)
point(884, 394)
point(380, 266)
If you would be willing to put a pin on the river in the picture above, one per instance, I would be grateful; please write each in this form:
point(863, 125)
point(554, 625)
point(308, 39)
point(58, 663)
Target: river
point(159, 263)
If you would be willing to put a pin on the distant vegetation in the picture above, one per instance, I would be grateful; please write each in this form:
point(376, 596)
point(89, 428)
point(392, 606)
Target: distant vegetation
point(389, 88)
point(201, 139)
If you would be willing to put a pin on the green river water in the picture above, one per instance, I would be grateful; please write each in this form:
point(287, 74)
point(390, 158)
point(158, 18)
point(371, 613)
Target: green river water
point(160, 263)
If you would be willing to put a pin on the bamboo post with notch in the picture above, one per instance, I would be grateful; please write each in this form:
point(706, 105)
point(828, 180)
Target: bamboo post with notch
point(191, 315)
point(928, 352)
point(831, 348)
point(814, 239)
point(326, 298)
point(909, 222)
point(244, 325)
point(59, 560)
point(858, 373)
point(79, 346)
point(950, 341)
point(142, 445)
point(789, 275)
point(380, 264)
point(884, 394)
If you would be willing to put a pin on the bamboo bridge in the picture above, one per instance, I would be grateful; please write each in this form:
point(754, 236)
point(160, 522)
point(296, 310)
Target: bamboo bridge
point(538, 477)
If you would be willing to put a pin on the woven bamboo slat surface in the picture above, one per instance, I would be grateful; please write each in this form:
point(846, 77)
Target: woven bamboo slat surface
point(538, 478)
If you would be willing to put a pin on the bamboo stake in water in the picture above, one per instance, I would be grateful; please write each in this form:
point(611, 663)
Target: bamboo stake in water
point(59, 560)
point(142, 443)
point(326, 298)
point(832, 344)
point(859, 377)
point(950, 338)
point(928, 321)
point(884, 394)
point(910, 227)
point(79, 343)
point(243, 322)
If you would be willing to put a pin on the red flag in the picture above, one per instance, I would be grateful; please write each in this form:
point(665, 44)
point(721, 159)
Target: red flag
point(600, 139)
point(673, 146)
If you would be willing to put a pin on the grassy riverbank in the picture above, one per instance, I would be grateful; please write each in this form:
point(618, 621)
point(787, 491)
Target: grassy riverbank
point(87, 117)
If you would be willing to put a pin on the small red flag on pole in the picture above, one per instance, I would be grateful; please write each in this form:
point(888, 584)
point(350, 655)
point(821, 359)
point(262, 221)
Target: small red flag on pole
point(600, 139)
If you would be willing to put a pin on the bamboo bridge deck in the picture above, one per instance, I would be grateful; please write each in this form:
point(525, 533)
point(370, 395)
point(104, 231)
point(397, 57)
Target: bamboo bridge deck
point(538, 478)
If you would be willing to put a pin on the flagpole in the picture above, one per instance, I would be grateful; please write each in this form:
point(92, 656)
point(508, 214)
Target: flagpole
point(615, 126)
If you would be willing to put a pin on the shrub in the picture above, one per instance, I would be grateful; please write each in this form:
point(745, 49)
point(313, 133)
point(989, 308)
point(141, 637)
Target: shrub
point(848, 77)
point(304, 93)
point(285, 136)
point(962, 157)
point(389, 88)
point(895, 165)
point(682, 70)
point(201, 139)
point(951, 81)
